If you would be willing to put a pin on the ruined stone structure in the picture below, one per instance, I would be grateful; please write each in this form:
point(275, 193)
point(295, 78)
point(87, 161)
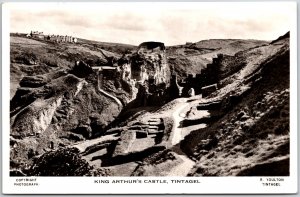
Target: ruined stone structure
point(208, 76)
point(147, 70)
point(212, 71)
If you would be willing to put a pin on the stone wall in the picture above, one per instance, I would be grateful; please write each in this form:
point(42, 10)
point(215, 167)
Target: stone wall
point(208, 76)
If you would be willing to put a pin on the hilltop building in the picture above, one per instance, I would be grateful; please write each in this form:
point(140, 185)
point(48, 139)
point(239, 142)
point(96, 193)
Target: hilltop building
point(53, 38)
point(60, 38)
point(37, 34)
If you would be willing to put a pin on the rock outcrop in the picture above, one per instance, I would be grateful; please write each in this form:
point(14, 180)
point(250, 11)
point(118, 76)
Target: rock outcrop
point(47, 113)
point(148, 71)
point(35, 118)
point(175, 89)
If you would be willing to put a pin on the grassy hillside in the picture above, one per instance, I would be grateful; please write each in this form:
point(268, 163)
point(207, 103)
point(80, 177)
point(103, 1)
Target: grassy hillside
point(192, 58)
point(53, 102)
point(33, 57)
point(252, 138)
point(108, 46)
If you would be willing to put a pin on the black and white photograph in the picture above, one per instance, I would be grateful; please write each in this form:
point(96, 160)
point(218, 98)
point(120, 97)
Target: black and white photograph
point(164, 93)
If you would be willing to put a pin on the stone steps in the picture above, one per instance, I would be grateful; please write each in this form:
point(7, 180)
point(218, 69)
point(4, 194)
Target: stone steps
point(153, 127)
point(154, 120)
point(138, 127)
point(154, 131)
point(154, 123)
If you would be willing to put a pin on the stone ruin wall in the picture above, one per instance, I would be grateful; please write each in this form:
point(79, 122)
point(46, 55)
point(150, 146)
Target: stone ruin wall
point(208, 76)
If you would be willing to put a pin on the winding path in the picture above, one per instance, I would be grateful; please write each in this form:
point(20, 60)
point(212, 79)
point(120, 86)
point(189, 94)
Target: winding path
point(177, 137)
point(107, 94)
point(187, 164)
point(112, 97)
point(183, 168)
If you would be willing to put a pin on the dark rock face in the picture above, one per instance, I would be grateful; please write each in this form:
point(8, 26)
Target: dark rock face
point(97, 126)
point(84, 129)
point(174, 88)
point(81, 69)
point(207, 90)
point(33, 82)
point(143, 95)
point(152, 45)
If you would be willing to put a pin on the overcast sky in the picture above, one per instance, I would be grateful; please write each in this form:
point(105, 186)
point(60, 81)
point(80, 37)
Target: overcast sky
point(171, 23)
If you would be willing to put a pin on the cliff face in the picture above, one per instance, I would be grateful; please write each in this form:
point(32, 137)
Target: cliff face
point(147, 65)
point(57, 109)
point(35, 119)
point(147, 70)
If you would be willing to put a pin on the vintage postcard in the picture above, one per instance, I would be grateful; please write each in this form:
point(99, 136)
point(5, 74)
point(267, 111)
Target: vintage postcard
point(149, 98)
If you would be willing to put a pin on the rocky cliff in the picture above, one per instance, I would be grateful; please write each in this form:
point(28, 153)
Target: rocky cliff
point(148, 71)
point(65, 105)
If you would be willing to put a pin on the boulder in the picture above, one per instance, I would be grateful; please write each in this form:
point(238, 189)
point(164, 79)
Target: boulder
point(240, 114)
point(33, 81)
point(83, 129)
point(244, 117)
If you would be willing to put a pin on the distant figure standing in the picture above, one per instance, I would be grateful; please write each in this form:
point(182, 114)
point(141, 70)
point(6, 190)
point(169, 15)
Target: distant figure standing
point(191, 92)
